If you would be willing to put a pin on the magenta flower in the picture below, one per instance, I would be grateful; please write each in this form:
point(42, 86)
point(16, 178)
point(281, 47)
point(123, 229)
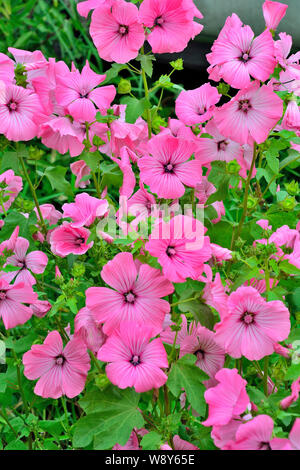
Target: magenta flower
point(196, 106)
point(66, 239)
point(60, 134)
point(80, 170)
point(117, 32)
point(171, 23)
point(238, 56)
point(40, 308)
point(77, 91)
point(273, 13)
point(13, 187)
point(35, 261)
point(133, 361)
point(135, 295)
point(86, 328)
point(85, 209)
point(20, 112)
point(179, 444)
point(168, 169)
point(250, 115)
point(61, 371)
point(217, 148)
point(252, 325)
point(85, 7)
point(295, 435)
point(12, 298)
point(180, 247)
point(226, 400)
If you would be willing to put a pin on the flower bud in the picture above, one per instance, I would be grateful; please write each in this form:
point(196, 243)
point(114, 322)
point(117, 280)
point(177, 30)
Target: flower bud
point(124, 87)
point(233, 167)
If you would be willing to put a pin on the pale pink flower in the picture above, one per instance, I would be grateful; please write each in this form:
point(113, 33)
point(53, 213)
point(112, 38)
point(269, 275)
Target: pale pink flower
point(210, 356)
point(40, 308)
point(273, 13)
point(169, 168)
point(79, 93)
point(250, 115)
point(117, 32)
point(289, 77)
point(35, 261)
point(80, 170)
point(13, 187)
point(131, 444)
point(179, 444)
point(60, 134)
point(239, 56)
point(264, 224)
point(126, 134)
point(84, 210)
point(180, 247)
point(171, 23)
point(224, 434)
point(217, 148)
point(129, 181)
point(220, 210)
point(291, 118)
point(252, 325)
point(50, 213)
point(12, 299)
point(215, 296)
point(196, 106)
point(135, 295)
point(293, 397)
point(226, 400)
point(34, 64)
point(141, 204)
point(66, 239)
point(256, 434)
point(219, 253)
point(133, 360)
point(9, 244)
point(177, 128)
point(60, 370)
point(85, 7)
point(295, 435)
point(20, 112)
point(86, 328)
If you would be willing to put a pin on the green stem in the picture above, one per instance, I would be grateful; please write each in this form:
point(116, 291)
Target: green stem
point(63, 400)
point(183, 301)
point(265, 377)
point(167, 403)
point(245, 201)
point(44, 228)
point(95, 361)
point(275, 176)
point(8, 423)
point(26, 409)
point(148, 114)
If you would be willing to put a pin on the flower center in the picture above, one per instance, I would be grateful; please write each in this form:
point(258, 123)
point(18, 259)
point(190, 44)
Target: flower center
point(202, 110)
point(245, 57)
point(79, 241)
point(244, 105)
point(135, 360)
point(248, 318)
point(2, 295)
point(84, 93)
point(265, 446)
point(222, 145)
point(59, 360)
point(169, 168)
point(123, 29)
point(200, 354)
point(170, 251)
point(12, 106)
point(129, 297)
point(159, 21)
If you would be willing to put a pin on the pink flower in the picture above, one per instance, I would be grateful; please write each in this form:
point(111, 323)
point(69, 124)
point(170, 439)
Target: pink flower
point(291, 118)
point(210, 356)
point(61, 371)
point(140, 204)
point(217, 148)
point(222, 435)
point(180, 247)
point(9, 244)
point(256, 434)
point(295, 435)
point(66, 239)
point(12, 298)
point(35, 261)
point(131, 444)
point(251, 325)
point(40, 308)
point(171, 23)
point(13, 186)
point(77, 91)
point(34, 65)
point(226, 400)
point(239, 56)
point(273, 13)
point(60, 134)
point(196, 106)
point(136, 294)
point(20, 112)
point(117, 32)
point(219, 253)
point(179, 444)
point(88, 330)
point(80, 169)
point(250, 115)
point(168, 169)
point(84, 210)
point(85, 7)
point(293, 397)
point(215, 296)
point(133, 361)
point(264, 224)
point(129, 182)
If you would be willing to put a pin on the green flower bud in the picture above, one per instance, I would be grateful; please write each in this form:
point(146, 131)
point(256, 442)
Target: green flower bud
point(177, 64)
point(97, 141)
point(252, 202)
point(288, 204)
point(292, 188)
point(78, 270)
point(233, 167)
point(35, 153)
point(157, 123)
point(21, 75)
point(223, 88)
point(124, 86)
point(102, 381)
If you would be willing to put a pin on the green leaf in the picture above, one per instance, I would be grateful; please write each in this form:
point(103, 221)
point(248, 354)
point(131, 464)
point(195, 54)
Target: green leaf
point(184, 374)
point(16, 445)
point(293, 372)
point(147, 63)
point(151, 441)
point(288, 268)
point(9, 160)
point(113, 72)
point(111, 416)
point(201, 312)
point(134, 108)
point(15, 219)
point(56, 177)
point(92, 159)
